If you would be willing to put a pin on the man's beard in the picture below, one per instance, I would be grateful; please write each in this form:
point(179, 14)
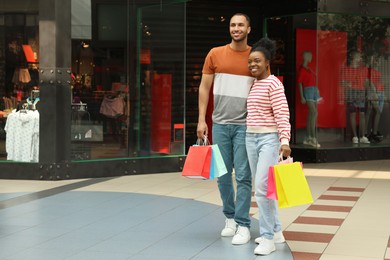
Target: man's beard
point(239, 40)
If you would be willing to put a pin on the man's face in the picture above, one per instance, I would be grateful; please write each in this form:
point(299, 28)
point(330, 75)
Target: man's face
point(239, 28)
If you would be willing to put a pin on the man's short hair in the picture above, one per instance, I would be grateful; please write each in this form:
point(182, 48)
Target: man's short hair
point(246, 17)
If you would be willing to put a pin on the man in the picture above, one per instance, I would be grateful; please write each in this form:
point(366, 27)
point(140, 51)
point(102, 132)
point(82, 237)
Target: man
point(226, 68)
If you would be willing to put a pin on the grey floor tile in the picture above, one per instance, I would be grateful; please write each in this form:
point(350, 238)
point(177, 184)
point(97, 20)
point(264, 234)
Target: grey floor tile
point(128, 242)
point(47, 231)
point(23, 240)
point(92, 255)
point(104, 225)
point(7, 229)
point(163, 256)
point(6, 196)
point(6, 250)
point(41, 254)
point(73, 241)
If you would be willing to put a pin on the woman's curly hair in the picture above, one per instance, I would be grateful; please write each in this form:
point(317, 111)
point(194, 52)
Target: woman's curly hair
point(266, 46)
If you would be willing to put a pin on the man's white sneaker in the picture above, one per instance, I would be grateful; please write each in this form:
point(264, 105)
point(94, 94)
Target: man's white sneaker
point(242, 236)
point(230, 228)
point(265, 247)
point(278, 238)
point(355, 140)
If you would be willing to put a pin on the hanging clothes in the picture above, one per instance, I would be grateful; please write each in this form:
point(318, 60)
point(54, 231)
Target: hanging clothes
point(24, 75)
point(112, 107)
point(22, 139)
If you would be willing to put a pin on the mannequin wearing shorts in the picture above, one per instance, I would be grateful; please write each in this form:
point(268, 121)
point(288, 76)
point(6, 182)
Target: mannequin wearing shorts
point(354, 79)
point(310, 96)
point(375, 101)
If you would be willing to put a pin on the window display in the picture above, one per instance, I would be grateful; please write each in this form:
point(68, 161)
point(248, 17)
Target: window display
point(342, 67)
point(19, 88)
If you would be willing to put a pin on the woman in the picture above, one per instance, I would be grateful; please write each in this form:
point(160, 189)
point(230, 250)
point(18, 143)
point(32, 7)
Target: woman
point(268, 136)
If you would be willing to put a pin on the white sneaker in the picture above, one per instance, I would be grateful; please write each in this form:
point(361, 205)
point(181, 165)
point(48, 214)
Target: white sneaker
point(242, 236)
point(364, 140)
point(230, 228)
point(355, 140)
point(265, 247)
point(278, 238)
point(315, 143)
point(307, 141)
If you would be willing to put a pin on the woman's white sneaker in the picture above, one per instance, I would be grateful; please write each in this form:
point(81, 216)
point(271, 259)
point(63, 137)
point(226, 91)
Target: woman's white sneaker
point(278, 238)
point(265, 247)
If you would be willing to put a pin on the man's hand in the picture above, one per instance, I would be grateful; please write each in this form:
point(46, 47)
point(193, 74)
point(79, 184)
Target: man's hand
point(202, 130)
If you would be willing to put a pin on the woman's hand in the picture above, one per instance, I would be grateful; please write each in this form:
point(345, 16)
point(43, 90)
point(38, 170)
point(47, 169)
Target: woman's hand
point(285, 150)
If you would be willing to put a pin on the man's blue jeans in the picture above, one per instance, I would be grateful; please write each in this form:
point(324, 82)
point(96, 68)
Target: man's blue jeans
point(231, 142)
point(263, 152)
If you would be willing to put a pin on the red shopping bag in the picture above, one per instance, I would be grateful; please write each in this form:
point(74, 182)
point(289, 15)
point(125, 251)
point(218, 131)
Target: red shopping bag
point(198, 162)
point(271, 184)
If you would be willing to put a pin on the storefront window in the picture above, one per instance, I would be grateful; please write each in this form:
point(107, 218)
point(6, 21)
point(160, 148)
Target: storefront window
point(19, 87)
point(128, 81)
point(336, 74)
point(355, 51)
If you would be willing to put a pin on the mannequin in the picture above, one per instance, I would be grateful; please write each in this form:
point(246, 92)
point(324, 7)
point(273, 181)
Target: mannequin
point(375, 100)
point(310, 96)
point(354, 79)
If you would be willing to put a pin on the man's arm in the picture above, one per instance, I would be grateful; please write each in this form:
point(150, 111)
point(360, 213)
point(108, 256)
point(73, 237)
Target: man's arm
point(204, 94)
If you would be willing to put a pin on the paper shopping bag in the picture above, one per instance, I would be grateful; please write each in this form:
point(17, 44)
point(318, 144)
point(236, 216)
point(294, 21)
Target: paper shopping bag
point(198, 162)
point(271, 186)
point(218, 167)
point(291, 185)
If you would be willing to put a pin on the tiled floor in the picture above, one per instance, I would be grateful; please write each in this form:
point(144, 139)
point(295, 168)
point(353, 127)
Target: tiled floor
point(166, 216)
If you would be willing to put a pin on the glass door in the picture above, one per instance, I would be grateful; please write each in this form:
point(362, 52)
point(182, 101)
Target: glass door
point(160, 81)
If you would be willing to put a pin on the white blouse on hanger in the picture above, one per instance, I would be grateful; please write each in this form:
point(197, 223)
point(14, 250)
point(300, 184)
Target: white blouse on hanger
point(22, 139)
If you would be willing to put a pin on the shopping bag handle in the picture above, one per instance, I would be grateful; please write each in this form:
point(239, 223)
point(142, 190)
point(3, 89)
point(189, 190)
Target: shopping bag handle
point(204, 141)
point(287, 160)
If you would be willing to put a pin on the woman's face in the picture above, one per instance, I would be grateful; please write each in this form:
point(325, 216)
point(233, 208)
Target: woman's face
point(258, 65)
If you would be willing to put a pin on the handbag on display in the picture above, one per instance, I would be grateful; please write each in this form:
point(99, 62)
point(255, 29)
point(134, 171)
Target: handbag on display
point(82, 128)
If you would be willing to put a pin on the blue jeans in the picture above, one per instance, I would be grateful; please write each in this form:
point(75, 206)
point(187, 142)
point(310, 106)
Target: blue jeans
point(263, 152)
point(231, 142)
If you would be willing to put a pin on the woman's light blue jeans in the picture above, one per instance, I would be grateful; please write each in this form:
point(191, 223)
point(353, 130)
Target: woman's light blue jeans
point(231, 142)
point(263, 152)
